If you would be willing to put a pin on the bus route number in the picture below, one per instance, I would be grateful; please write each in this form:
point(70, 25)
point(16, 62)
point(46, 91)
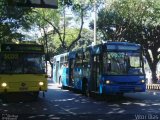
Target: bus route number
point(10, 56)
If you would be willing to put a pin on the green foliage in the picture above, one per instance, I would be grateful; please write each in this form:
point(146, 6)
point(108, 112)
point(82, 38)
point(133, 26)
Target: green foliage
point(40, 16)
point(12, 18)
point(136, 21)
point(85, 40)
point(71, 34)
point(59, 23)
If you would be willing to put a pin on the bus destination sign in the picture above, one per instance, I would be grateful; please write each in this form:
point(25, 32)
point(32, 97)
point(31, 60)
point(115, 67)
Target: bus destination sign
point(21, 48)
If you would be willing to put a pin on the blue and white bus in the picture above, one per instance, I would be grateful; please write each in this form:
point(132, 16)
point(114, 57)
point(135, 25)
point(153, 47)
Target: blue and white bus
point(59, 63)
point(109, 68)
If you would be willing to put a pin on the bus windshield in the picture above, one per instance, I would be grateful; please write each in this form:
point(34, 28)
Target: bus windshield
point(21, 63)
point(122, 63)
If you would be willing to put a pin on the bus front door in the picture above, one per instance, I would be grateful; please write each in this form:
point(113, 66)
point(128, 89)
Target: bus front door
point(95, 74)
point(57, 72)
point(71, 72)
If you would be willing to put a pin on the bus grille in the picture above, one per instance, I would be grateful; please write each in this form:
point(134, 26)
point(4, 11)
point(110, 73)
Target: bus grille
point(127, 88)
point(126, 83)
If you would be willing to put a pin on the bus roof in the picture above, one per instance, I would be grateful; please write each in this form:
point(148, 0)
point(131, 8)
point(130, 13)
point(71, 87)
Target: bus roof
point(121, 46)
point(98, 49)
point(122, 43)
point(73, 54)
point(57, 57)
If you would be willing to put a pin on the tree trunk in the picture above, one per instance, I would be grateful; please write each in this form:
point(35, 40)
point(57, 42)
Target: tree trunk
point(152, 64)
point(51, 68)
point(154, 74)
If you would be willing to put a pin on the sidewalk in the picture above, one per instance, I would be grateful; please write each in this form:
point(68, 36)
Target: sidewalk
point(51, 83)
point(50, 80)
point(153, 92)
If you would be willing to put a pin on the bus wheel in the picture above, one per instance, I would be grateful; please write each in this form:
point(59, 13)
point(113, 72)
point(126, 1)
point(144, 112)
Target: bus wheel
point(103, 95)
point(4, 98)
point(35, 95)
point(84, 86)
point(62, 87)
point(120, 95)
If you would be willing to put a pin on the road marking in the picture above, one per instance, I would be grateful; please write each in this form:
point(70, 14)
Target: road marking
point(68, 111)
point(51, 102)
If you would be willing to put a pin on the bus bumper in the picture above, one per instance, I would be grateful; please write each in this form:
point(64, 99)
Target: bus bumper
point(25, 89)
point(113, 89)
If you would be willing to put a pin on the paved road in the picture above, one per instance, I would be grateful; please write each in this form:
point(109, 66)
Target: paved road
point(64, 104)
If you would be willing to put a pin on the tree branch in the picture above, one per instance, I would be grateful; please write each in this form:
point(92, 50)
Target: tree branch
point(80, 31)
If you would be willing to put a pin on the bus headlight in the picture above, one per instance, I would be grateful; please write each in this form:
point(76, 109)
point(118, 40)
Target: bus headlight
point(4, 84)
point(41, 83)
point(142, 81)
point(108, 82)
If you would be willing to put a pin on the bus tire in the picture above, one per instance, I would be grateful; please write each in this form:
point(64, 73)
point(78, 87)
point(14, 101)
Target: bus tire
point(120, 95)
point(4, 97)
point(103, 95)
point(62, 87)
point(35, 95)
point(84, 86)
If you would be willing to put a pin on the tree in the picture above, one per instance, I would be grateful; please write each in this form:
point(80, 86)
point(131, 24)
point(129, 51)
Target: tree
point(11, 22)
point(135, 21)
point(50, 23)
point(48, 17)
point(71, 33)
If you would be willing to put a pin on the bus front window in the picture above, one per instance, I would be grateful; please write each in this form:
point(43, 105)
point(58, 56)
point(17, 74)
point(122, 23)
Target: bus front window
point(121, 63)
point(135, 66)
point(33, 63)
point(11, 63)
point(114, 63)
point(21, 63)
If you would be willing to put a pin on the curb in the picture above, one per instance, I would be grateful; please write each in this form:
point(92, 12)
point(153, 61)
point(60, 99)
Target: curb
point(153, 92)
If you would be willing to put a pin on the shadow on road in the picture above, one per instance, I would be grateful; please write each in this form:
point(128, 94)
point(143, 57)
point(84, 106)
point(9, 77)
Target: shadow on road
point(76, 117)
point(18, 97)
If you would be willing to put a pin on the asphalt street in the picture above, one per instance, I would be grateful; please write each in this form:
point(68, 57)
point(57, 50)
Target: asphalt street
point(65, 104)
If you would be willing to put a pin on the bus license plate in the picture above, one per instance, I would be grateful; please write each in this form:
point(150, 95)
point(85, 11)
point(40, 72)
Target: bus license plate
point(23, 88)
point(138, 88)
